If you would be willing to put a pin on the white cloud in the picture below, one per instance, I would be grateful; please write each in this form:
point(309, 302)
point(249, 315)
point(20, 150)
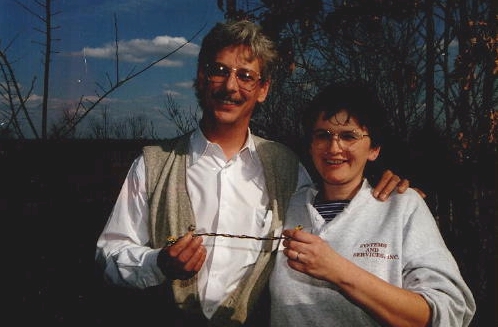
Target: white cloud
point(185, 85)
point(34, 100)
point(170, 63)
point(171, 93)
point(145, 50)
point(94, 98)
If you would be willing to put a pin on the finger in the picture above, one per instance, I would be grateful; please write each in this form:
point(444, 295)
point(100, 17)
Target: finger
point(178, 246)
point(289, 233)
point(294, 233)
point(201, 260)
point(295, 257)
point(196, 260)
point(403, 185)
point(190, 249)
point(292, 254)
point(390, 187)
point(384, 180)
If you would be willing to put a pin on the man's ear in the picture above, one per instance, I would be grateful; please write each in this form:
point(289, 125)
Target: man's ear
point(263, 91)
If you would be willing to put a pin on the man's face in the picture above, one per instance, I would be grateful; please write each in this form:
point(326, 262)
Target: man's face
point(230, 101)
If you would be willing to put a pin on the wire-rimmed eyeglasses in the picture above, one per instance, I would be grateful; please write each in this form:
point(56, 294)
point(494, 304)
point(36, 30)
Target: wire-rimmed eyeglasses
point(322, 138)
point(218, 73)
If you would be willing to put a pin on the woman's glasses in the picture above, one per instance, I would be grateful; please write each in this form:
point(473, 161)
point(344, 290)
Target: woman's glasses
point(219, 73)
point(322, 138)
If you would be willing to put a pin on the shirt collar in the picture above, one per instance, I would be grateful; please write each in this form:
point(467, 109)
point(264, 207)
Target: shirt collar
point(199, 145)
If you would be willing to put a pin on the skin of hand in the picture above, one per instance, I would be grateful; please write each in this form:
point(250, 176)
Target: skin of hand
point(183, 259)
point(388, 183)
point(388, 304)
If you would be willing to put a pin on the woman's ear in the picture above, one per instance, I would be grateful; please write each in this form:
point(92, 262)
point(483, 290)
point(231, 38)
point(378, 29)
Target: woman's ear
point(374, 153)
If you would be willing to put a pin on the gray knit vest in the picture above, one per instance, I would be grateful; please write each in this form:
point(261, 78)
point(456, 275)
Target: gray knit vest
point(171, 214)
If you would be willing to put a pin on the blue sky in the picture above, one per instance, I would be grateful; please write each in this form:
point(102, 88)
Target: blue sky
point(147, 30)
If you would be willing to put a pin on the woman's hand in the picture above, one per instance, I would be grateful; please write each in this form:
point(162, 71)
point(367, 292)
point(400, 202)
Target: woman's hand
point(311, 255)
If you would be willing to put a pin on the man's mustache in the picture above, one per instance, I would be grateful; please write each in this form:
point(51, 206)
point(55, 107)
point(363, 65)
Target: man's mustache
point(226, 96)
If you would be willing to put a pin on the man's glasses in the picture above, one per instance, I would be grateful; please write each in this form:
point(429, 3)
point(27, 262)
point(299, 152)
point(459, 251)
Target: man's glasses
point(219, 73)
point(322, 138)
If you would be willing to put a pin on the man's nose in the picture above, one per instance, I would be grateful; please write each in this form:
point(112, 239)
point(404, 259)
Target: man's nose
point(231, 82)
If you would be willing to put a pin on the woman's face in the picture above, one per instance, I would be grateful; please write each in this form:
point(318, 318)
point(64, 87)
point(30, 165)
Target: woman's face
point(340, 149)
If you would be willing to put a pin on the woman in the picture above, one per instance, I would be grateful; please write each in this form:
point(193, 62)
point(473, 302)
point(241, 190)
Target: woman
point(359, 261)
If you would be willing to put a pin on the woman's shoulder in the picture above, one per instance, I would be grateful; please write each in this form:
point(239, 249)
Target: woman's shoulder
point(410, 197)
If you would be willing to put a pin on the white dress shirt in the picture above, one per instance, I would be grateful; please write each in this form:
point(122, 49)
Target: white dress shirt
point(226, 196)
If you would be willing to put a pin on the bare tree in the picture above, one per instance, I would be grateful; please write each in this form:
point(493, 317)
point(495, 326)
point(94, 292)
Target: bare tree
point(138, 126)
point(64, 127)
point(100, 127)
point(48, 27)
point(403, 48)
point(105, 127)
point(120, 129)
point(184, 121)
point(14, 99)
point(66, 119)
point(434, 64)
point(85, 107)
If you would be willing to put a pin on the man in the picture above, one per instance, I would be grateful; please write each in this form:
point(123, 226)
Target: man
point(218, 179)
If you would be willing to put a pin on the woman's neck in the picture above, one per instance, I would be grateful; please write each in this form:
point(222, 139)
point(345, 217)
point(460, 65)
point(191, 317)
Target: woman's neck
point(333, 192)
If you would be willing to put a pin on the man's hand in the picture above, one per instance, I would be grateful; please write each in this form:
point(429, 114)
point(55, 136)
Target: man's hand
point(390, 182)
point(183, 259)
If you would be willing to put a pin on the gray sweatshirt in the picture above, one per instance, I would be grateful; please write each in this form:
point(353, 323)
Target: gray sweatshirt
point(397, 240)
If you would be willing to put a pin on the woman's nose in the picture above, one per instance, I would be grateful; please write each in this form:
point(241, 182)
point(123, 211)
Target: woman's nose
point(334, 143)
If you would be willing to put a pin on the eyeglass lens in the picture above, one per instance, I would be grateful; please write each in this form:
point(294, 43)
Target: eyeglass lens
point(346, 139)
point(219, 73)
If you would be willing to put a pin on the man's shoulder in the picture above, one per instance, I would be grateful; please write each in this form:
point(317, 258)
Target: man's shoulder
point(160, 157)
point(263, 144)
point(165, 146)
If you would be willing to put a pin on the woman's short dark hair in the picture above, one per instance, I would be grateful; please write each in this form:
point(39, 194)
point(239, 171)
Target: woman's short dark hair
point(357, 99)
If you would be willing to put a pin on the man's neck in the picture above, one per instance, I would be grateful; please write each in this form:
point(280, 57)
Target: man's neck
point(230, 138)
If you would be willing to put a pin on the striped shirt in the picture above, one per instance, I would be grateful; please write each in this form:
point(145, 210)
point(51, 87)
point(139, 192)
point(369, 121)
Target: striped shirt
point(329, 209)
